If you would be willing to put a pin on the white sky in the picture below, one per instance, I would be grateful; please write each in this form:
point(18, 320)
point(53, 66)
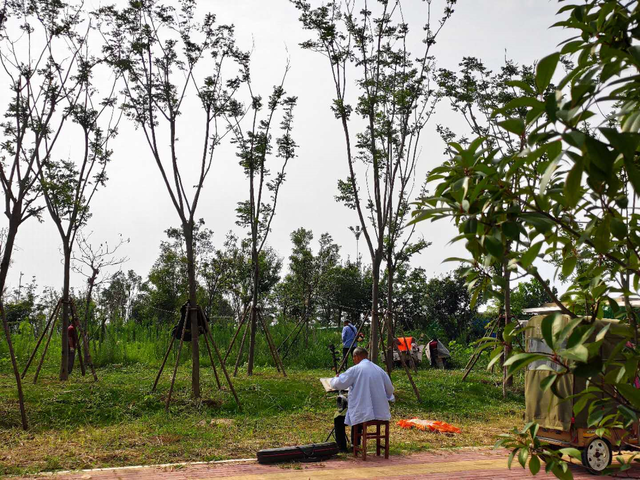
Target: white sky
point(136, 205)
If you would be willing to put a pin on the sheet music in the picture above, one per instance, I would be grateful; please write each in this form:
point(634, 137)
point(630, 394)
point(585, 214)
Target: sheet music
point(327, 386)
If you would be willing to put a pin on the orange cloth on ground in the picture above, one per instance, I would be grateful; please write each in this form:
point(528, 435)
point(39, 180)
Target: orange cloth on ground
point(404, 343)
point(430, 425)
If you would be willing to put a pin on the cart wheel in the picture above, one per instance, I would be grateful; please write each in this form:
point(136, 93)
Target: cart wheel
point(597, 455)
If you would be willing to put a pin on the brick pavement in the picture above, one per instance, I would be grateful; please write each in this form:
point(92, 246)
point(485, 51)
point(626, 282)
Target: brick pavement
point(458, 465)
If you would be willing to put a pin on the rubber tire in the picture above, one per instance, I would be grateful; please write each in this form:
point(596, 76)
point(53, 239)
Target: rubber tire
point(585, 459)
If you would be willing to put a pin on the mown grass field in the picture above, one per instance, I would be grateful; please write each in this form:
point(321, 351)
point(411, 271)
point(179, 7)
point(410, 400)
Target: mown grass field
point(117, 421)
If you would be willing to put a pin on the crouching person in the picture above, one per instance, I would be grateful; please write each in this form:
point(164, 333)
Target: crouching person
point(370, 391)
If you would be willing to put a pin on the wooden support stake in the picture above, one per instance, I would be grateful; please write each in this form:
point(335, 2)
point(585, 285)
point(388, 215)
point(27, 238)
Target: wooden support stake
point(474, 358)
point(291, 333)
point(224, 371)
point(406, 369)
point(166, 355)
point(79, 354)
point(53, 315)
point(386, 364)
point(85, 342)
point(272, 346)
point(284, 355)
point(207, 331)
point(206, 342)
point(175, 369)
point(233, 340)
point(14, 364)
point(244, 338)
point(44, 352)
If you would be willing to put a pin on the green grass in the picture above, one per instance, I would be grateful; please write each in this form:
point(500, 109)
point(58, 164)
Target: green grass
point(117, 421)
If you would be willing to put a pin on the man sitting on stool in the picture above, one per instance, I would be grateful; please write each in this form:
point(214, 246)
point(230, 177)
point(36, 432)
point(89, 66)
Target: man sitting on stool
point(370, 391)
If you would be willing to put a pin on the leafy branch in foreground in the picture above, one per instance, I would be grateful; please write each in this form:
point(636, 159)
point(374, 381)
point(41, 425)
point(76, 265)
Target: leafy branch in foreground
point(568, 194)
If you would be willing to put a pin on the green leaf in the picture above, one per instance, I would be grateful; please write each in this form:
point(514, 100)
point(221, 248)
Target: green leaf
point(511, 230)
point(521, 85)
point(602, 238)
point(540, 222)
point(546, 178)
point(548, 382)
point(582, 401)
point(534, 465)
point(618, 228)
point(545, 70)
point(521, 360)
point(568, 266)
point(513, 125)
point(560, 473)
point(633, 173)
point(631, 393)
point(530, 255)
point(571, 452)
point(579, 353)
point(495, 356)
point(572, 185)
point(520, 102)
point(572, 47)
point(494, 246)
point(522, 457)
point(547, 328)
point(580, 335)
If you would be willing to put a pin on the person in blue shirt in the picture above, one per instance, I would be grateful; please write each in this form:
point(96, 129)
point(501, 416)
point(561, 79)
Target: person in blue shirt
point(349, 340)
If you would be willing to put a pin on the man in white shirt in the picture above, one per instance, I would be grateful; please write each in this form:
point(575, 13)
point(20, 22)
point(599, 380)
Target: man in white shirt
point(370, 390)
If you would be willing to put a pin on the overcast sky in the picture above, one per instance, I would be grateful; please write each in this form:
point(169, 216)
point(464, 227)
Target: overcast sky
point(136, 205)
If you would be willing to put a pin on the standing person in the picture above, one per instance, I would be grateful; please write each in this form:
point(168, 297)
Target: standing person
point(348, 340)
point(370, 391)
point(72, 334)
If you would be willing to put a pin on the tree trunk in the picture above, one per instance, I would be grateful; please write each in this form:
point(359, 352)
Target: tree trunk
point(66, 312)
point(507, 380)
point(87, 315)
point(254, 307)
point(193, 311)
point(390, 316)
point(4, 270)
point(375, 296)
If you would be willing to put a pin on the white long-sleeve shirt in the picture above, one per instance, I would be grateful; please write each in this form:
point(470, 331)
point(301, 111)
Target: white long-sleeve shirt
point(370, 391)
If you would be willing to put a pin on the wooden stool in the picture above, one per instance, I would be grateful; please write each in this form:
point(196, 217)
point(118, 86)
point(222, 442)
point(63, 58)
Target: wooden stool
point(361, 436)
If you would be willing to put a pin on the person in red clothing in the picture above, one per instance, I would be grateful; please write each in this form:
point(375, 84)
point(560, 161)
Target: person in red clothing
point(72, 334)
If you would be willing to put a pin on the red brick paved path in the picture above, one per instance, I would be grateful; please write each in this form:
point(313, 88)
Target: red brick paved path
point(459, 465)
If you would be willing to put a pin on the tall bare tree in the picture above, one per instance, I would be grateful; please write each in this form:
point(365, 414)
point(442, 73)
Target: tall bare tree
point(163, 54)
point(255, 148)
point(70, 185)
point(393, 103)
point(40, 56)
